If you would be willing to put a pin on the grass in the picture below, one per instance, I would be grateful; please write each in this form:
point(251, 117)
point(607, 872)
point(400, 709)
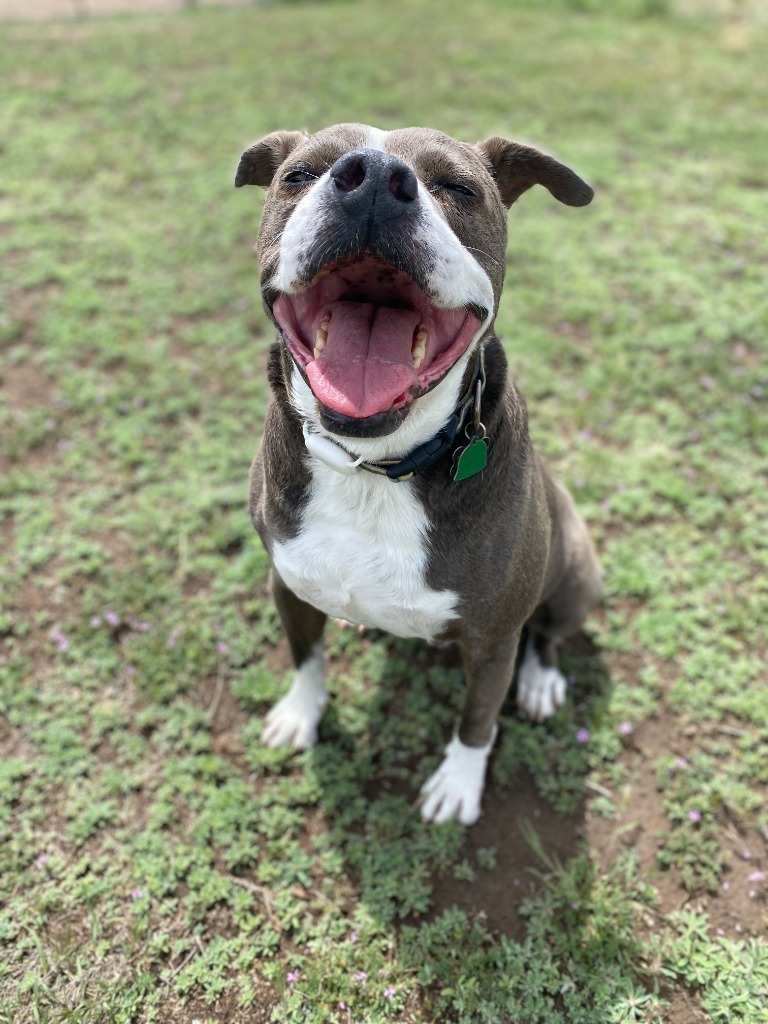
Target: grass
point(157, 862)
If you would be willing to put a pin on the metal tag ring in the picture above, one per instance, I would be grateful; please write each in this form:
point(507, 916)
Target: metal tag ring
point(476, 430)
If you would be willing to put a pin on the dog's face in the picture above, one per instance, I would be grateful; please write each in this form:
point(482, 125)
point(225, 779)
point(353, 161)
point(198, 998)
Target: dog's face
point(382, 259)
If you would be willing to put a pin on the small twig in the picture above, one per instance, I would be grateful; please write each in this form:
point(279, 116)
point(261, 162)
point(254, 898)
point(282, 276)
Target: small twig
point(729, 730)
point(213, 706)
point(182, 965)
point(595, 787)
point(737, 839)
point(319, 896)
point(261, 892)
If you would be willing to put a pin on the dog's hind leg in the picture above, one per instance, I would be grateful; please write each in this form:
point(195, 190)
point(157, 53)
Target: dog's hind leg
point(541, 685)
point(295, 718)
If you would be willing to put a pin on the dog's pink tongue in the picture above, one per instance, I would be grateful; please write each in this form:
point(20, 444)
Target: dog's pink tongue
point(366, 363)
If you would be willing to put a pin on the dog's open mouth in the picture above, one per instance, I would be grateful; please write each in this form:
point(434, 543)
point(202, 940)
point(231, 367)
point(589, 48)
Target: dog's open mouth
point(368, 337)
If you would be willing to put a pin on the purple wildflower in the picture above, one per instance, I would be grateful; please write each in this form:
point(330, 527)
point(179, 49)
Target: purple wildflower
point(222, 648)
point(292, 976)
point(694, 816)
point(389, 992)
point(112, 619)
point(582, 735)
point(95, 621)
point(60, 640)
point(757, 876)
point(362, 977)
point(626, 728)
point(136, 894)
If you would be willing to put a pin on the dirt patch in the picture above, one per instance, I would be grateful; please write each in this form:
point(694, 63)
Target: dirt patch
point(495, 895)
point(44, 10)
point(26, 386)
point(684, 1009)
point(224, 1009)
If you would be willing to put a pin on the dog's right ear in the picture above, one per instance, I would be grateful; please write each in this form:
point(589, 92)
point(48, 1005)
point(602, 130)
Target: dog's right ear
point(258, 163)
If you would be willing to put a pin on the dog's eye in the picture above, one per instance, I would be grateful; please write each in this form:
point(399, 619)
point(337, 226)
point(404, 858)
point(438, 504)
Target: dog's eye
point(456, 188)
point(300, 176)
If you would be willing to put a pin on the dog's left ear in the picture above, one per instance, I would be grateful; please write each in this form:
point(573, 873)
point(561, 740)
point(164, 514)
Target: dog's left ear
point(258, 163)
point(516, 168)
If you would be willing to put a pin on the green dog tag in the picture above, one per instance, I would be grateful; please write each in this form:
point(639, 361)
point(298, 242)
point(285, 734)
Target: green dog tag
point(471, 459)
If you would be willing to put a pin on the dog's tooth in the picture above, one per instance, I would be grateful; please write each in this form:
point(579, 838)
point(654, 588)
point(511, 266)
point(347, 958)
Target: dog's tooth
point(321, 274)
point(419, 347)
point(321, 337)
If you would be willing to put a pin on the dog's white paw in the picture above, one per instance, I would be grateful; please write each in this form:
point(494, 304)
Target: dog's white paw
point(540, 690)
point(456, 788)
point(295, 718)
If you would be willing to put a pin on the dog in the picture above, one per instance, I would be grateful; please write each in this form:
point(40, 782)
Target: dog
point(396, 485)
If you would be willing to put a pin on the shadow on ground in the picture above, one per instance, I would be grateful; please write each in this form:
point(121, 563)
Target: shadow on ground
point(405, 869)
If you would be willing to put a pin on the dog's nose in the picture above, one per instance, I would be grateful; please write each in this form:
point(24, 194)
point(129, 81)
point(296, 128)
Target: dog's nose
point(368, 180)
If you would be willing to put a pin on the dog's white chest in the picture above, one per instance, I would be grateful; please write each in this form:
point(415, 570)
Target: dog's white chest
point(361, 555)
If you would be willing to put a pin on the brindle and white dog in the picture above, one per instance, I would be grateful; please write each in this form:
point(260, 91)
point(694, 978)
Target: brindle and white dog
point(396, 484)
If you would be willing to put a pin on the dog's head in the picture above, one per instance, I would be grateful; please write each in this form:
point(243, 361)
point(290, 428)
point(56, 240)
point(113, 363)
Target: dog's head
point(382, 259)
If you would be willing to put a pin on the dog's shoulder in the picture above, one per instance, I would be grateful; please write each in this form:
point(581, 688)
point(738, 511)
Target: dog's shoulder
point(279, 478)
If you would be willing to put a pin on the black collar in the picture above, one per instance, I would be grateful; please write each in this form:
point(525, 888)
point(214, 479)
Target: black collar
point(425, 455)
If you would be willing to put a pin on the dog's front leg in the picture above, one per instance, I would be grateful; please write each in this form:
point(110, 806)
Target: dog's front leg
point(295, 718)
point(456, 788)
